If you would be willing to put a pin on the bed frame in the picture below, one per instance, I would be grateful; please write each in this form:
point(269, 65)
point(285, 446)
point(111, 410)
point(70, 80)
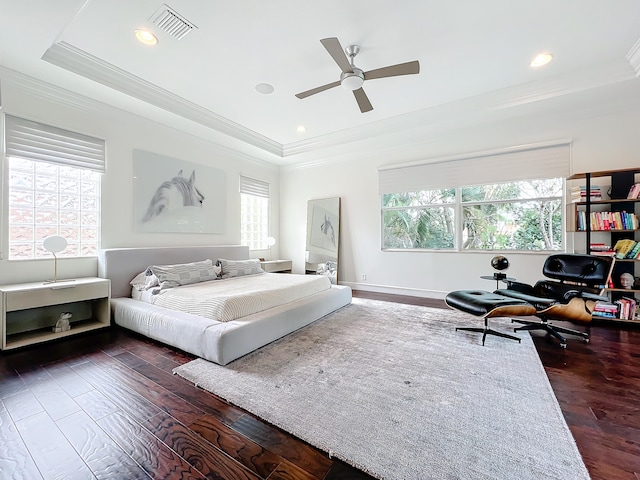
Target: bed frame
point(205, 338)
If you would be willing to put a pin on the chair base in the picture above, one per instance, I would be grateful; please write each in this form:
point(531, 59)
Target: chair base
point(488, 331)
point(552, 330)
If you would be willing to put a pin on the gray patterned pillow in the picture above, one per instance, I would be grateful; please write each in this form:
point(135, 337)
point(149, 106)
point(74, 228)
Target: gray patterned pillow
point(237, 268)
point(170, 276)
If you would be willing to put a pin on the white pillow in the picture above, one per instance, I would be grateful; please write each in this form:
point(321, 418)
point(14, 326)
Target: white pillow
point(142, 281)
point(170, 276)
point(237, 268)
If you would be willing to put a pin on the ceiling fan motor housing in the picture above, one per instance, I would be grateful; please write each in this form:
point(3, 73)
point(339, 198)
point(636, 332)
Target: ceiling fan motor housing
point(352, 80)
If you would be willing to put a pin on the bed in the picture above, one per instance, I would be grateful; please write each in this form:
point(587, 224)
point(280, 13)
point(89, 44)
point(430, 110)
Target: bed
point(218, 341)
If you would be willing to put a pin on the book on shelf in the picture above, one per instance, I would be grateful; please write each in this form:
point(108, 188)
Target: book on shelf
point(579, 194)
point(623, 308)
point(624, 247)
point(605, 310)
point(634, 252)
point(606, 221)
point(601, 249)
point(634, 191)
point(627, 308)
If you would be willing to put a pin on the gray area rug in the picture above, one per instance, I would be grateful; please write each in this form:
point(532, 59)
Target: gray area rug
point(394, 390)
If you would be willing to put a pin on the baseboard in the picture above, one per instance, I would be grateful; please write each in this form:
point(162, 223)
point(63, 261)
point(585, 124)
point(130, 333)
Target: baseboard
point(413, 292)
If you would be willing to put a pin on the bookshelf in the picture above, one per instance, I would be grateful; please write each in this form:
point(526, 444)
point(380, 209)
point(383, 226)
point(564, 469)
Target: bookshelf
point(613, 215)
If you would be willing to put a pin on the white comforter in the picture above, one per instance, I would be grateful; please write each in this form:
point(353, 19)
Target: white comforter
point(228, 299)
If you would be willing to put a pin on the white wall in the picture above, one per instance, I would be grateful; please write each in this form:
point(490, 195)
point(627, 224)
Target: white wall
point(124, 132)
point(602, 127)
point(604, 133)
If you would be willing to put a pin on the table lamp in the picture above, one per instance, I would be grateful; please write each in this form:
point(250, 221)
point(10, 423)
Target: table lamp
point(270, 242)
point(54, 244)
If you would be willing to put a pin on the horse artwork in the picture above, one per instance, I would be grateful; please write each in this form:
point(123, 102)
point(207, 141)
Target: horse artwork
point(323, 237)
point(174, 193)
point(328, 230)
point(323, 229)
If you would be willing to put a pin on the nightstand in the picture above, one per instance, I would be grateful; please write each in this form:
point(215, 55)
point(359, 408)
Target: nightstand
point(276, 266)
point(30, 310)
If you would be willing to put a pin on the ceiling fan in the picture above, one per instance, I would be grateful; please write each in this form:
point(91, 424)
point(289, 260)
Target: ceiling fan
point(352, 77)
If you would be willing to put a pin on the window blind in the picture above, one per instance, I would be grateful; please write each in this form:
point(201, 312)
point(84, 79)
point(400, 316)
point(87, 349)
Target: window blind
point(37, 141)
point(251, 186)
point(482, 168)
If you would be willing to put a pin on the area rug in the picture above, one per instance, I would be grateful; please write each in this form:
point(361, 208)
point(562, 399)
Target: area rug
point(395, 391)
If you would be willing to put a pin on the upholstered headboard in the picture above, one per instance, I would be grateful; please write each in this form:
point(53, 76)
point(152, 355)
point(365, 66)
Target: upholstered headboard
point(120, 265)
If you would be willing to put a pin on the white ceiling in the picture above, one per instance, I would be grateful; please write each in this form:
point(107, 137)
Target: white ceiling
point(468, 50)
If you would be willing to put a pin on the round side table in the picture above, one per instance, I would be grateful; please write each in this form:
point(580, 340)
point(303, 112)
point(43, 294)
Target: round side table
point(498, 277)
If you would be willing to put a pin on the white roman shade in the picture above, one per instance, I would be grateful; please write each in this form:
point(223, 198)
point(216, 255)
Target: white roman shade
point(512, 164)
point(37, 141)
point(251, 186)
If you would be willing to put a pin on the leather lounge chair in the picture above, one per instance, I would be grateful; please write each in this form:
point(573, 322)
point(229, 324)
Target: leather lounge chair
point(569, 291)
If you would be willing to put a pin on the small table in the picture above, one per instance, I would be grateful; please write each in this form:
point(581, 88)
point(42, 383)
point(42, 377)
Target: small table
point(28, 311)
point(276, 266)
point(498, 277)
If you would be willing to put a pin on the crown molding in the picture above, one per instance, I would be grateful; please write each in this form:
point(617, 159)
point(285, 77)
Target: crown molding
point(410, 143)
point(633, 56)
point(49, 92)
point(65, 55)
point(58, 95)
point(473, 107)
point(493, 103)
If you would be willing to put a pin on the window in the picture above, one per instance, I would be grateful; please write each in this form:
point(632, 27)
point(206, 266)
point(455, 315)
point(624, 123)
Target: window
point(54, 189)
point(504, 199)
point(525, 215)
point(522, 215)
point(254, 213)
point(419, 219)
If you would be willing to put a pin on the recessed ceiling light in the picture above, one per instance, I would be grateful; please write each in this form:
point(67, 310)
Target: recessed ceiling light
point(146, 37)
point(541, 59)
point(264, 88)
point(301, 129)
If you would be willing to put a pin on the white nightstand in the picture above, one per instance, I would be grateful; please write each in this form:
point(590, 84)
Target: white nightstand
point(30, 310)
point(276, 266)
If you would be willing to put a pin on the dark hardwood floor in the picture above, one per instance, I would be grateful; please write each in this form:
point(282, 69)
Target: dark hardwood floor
point(105, 405)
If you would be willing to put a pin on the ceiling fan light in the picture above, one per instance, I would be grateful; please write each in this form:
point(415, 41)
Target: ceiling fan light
point(352, 81)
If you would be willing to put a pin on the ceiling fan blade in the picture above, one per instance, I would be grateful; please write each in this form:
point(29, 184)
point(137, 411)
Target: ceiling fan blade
point(408, 68)
point(337, 53)
point(363, 100)
point(313, 91)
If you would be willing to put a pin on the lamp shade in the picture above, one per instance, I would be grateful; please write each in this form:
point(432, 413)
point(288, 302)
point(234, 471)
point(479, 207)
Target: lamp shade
point(54, 243)
point(271, 242)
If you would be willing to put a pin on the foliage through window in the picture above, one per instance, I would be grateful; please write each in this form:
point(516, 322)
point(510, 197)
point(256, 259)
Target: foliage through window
point(47, 199)
point(523, 215)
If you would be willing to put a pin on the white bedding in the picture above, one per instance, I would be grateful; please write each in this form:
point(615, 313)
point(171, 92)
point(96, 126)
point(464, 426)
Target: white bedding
point(232, 298)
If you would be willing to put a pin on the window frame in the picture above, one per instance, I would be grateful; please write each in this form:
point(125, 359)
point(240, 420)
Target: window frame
point(458, 206)
point(259, 189)
point(42, 144)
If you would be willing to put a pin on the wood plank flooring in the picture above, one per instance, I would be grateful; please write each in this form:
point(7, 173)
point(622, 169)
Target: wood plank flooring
point(105, 405)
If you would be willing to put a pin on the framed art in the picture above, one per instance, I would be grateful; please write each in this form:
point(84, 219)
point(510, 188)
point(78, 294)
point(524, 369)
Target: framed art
point(172, 195)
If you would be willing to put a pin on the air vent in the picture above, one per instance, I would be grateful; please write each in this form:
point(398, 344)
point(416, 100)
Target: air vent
point(172, 23)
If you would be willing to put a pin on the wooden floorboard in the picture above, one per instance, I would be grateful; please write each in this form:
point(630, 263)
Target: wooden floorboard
point(106, 405)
